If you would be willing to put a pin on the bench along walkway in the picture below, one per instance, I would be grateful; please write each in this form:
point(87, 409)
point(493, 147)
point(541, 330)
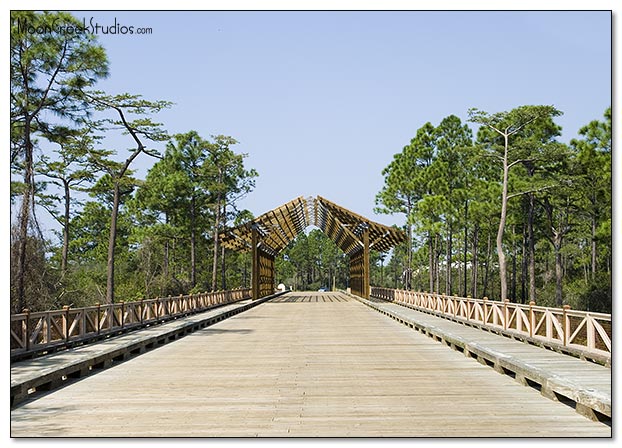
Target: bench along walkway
point(54, 370)
point(302, 364)
point(582, 384)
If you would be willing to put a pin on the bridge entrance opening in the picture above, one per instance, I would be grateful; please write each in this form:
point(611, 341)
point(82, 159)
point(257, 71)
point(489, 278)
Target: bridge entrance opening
point(267, 235)
point(313, 262)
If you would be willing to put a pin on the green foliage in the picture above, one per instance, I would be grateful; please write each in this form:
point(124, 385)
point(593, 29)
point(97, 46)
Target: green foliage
point(47, 71)
point(561, 193)
point(312, 261)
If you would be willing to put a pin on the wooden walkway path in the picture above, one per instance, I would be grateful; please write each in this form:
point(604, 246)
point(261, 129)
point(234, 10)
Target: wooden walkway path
point(314, 364)
point(31, 377)
point(584, 384)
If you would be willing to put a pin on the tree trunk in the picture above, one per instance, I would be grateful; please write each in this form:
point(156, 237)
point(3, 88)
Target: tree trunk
point(215, 251)
point(436, 264)
point(431, 261)
point(466, 242)
point(593, 247)
point(409, 228)
point(216, 227)
point(504, 205)
point(112, 242)
point(531, 249)
point(448, 270)
point(24, 217)
point(514, 266)
point(165, 264)
point(193, 243)
point(223, 280)
point(166, 256)
point(65, 253)
point(223, 269)
point(524, 265)
point(559, 271)
point(409, 249)
point(474, 262)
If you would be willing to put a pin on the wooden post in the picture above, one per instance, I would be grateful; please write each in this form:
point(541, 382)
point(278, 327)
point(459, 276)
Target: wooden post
point(26, 311)
point(590, 331)
point(99, 317)
point(505, 314)
point(531, 318)
point(566, 324)
point(366, 264)
point(122, 320)
point(66, 322)
point(255, 280)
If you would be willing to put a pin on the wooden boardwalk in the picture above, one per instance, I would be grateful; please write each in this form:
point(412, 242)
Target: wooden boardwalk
point(49, 372)
point(309, 364)
point(558, 376)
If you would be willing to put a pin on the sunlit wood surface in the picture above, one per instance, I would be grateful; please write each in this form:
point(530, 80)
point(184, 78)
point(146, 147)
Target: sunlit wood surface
point(303, 364)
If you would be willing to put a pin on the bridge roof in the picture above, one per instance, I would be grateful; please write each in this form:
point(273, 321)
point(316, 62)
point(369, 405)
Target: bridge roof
point(280, 226)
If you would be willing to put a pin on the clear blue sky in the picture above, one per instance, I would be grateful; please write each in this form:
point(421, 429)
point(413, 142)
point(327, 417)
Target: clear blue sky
point(321, 101)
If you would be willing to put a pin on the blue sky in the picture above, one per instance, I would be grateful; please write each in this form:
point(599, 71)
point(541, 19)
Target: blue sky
point(321, 101)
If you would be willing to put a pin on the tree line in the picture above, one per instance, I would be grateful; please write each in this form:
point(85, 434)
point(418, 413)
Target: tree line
point(512, 213)
point(312, 261)
point(509, 213)
point(120, 236)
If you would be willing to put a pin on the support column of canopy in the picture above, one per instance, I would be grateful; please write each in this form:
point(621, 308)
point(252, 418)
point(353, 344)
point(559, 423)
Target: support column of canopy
point(366, 266)
point(266, 274)
point(356, 273)
point(360, 268)
point(262, 277)
point(255, 283)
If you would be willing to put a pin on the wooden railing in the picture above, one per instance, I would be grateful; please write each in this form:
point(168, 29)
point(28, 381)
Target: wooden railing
point(40, 331)
point(582, 333)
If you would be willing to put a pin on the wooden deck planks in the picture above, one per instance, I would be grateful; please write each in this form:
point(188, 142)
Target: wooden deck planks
point(50, 371)
point(309, 365)
point(586, 383)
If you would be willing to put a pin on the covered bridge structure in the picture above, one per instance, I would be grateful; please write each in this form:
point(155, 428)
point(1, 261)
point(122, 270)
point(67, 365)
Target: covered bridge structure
point(270, 233)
